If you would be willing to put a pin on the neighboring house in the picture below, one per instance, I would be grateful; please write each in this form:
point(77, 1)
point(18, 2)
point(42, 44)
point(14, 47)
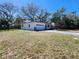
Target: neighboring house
point(28, 25)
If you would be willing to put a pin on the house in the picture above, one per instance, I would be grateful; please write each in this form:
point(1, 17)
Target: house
point(28, 25)
point(37, 26)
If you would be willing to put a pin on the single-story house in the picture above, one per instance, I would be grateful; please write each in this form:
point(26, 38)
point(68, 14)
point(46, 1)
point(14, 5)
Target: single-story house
point(28, 25)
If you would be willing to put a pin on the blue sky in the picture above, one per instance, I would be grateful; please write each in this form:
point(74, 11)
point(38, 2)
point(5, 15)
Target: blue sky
point(50, 5)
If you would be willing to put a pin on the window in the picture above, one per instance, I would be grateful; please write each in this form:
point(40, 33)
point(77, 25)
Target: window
point(48, 26)
point(29, 25)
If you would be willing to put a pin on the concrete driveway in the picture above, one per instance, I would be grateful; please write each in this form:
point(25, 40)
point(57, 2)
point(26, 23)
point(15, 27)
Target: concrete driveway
point(63, 32)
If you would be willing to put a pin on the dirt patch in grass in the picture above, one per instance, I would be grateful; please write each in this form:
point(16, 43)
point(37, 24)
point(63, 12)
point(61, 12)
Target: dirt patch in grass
point(37, 45)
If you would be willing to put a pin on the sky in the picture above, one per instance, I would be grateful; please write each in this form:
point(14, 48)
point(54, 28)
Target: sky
point(49, 5)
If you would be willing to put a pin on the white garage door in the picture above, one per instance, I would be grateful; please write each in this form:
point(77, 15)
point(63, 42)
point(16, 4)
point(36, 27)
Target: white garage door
point(40, 27)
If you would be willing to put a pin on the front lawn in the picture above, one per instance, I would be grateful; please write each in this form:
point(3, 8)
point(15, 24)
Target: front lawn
point(21, 44)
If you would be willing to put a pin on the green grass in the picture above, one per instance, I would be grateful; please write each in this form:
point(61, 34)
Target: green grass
point(15, 30)
point(21, 44)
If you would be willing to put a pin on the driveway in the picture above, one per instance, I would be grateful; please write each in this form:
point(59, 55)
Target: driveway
point(63, 32)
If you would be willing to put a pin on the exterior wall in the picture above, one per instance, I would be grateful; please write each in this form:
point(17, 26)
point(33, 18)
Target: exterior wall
point(28, 26)
point(33, 26)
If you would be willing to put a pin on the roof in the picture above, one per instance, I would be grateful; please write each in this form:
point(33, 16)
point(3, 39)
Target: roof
point(28, 21)
point(34, 23)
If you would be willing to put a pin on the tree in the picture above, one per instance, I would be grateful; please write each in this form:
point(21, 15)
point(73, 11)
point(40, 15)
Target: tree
point(30, 11)
point(18, 21)
point(68, 23)
point(34, 13)
point(42, 16)
point(7, 11)
point(57, 17)
point(73, 18)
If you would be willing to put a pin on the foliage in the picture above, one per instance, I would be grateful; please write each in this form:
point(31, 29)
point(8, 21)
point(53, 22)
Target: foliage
point(34, 13)
point(31, 12)
point(65, 21)
point(18, 22)
point(7, 11)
